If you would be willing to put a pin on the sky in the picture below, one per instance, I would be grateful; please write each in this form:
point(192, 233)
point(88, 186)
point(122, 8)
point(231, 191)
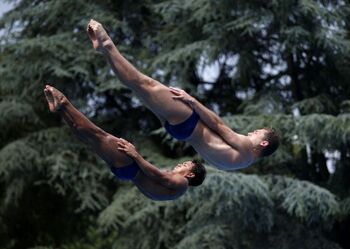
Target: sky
point(4, 6)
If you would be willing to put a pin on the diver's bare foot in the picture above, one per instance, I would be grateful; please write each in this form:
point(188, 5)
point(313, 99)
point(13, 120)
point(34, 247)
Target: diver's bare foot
point(55, 98)
point(98, 36)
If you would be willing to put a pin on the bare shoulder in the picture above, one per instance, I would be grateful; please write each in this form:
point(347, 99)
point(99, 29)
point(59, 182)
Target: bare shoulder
point(179, 182)
point(244, 139)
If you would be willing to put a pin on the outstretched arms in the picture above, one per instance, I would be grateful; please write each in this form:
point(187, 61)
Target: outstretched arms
point(166, 179)
point(211, 119)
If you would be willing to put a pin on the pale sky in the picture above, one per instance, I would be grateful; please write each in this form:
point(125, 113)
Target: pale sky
point(4, 6)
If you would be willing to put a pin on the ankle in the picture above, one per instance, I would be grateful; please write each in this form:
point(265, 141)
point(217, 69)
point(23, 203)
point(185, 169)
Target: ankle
point(63, 103)
point(107, 44)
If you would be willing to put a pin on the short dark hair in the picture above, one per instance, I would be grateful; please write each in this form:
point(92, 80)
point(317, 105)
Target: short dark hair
point(199, 172)
point(274, 141)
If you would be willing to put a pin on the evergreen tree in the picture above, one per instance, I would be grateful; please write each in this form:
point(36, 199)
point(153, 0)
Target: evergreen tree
point(280, 63)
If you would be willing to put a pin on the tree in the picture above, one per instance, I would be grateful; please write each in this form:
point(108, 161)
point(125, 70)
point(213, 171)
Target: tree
point(249, 212)
point(275, 59)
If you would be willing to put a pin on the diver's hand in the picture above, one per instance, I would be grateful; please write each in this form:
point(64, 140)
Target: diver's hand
point(182, 95)
point(128, 148)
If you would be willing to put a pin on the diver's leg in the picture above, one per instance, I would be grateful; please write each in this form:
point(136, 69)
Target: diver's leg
point(103, 143)
point(156, 96)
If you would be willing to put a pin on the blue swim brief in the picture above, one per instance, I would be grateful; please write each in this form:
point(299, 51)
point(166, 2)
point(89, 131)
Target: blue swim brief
point(128, 172)
point(183, 130)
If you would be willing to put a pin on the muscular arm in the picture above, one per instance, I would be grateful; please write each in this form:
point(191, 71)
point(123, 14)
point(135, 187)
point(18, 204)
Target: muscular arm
point(214, 122)
point(168, 180)
point(164, 178)
point(211, 119)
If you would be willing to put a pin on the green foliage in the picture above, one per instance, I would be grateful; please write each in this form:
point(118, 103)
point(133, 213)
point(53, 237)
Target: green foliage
point(17, 159)
point(304, 200)
point(221, 213)
point(268, 103)
point(176, 219)
point(318, 104)
point(345, 106)
point(273, 57)
point(345, 207)
point(16, 119)
point(126, 202)
point(67, 168)
point(93, 240)
point(181, 55)
point(41, 247)
point(325, 131)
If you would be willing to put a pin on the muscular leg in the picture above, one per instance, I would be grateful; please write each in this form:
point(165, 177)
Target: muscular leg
point(155, 95)
point(104, 144)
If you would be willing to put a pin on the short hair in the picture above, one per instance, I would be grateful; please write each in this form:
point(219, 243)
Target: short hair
point(274, 141)
point(199, 172)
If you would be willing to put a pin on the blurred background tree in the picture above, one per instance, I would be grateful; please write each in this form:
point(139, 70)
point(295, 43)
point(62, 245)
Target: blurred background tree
point(281, 63)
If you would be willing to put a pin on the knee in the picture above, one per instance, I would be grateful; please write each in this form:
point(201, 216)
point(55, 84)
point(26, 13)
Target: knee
point(110, 139)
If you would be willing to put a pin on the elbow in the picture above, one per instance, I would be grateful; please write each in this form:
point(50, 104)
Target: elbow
point(218, 124)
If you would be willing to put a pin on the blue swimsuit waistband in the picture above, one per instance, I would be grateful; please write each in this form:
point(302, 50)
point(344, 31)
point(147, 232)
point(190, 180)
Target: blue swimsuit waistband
point(128, 172)
point(183, 130)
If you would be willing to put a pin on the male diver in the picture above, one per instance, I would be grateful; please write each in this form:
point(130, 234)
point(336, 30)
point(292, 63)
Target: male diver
point(184, 117)
point(122, 157)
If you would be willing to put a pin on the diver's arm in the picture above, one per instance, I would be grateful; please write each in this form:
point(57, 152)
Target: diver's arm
point(166, 179)
point(210, 118)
